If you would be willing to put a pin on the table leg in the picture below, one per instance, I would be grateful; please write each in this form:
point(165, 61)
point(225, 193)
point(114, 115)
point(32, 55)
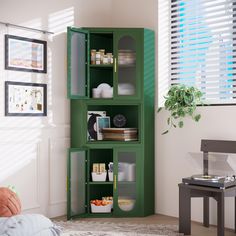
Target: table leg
point(184, 210)
point(206, 211)
point(220, 214)
point(235, 214)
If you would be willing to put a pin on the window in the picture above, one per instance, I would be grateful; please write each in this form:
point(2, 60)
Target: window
point(202, 47)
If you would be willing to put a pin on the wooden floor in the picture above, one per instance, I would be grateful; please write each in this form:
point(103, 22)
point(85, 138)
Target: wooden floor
point(197, 228)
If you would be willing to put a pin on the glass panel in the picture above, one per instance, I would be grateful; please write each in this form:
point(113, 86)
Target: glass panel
point(78, 191)
point(78, 66)
point(126, 66)
point(126, 180)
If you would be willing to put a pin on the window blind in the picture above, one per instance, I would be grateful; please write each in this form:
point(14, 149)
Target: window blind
point(203, 47)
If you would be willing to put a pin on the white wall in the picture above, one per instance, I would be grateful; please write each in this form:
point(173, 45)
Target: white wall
point(131, 13)
point(33, 149)
point(178, 153)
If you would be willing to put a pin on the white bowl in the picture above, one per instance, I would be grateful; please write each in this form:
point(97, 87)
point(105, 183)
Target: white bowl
point(126, 204)
point(96, 92)
point(103, 86)
point(107, 93)
point(126, 91)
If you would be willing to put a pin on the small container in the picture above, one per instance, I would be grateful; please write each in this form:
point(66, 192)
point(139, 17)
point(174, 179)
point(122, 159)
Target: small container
point(108, 199)
point(96, 167)
point(101, 209)
point(109, 58)
point(107, 93)
point(93, 57)
point(110, 176)
point(121, 176)
point(99, 176)
point(96, 94)
point(102, 167)
point(102, 53)
point(98, 58)
point(105, 59)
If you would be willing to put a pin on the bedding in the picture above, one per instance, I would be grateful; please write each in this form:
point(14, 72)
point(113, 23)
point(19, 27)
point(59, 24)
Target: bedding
point(28, 225)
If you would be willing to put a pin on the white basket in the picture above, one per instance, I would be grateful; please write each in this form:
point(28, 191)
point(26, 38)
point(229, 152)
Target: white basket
point(99, 176)
point(101, 209)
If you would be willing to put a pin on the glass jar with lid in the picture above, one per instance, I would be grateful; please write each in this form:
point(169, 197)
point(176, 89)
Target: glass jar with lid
point(110, 58)
point(93, 56)
point(98, 58)
point(102, 53)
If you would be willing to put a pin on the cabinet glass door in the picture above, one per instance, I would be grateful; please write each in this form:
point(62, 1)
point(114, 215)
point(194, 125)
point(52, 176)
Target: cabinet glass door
point(77, 59)
point(76, 183)
point(126, 181)
point(127, 65)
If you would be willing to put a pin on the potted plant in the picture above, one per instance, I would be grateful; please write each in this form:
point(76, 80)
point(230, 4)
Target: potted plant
point(181, 101)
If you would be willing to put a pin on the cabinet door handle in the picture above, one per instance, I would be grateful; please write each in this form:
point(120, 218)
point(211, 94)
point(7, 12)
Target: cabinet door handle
point(115, 65)
point(114, 182)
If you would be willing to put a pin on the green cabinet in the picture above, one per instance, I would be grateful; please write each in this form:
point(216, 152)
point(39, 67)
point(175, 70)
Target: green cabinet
point(111, 80)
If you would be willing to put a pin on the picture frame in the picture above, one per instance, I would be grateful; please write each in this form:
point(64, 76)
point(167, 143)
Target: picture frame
point(102, 122)
point(92, 124)
point(25, 54)
point(25, 99)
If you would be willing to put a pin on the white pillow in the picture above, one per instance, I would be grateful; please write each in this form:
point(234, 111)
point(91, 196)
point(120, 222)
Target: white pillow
point(28, 225)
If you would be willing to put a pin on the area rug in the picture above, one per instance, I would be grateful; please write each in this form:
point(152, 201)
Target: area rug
point(93, 228)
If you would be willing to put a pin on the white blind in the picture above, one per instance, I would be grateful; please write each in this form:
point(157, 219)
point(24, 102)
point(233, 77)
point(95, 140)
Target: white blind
point(203, 47)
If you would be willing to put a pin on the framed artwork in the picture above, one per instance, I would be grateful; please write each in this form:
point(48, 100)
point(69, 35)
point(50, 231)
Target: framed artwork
point(102, 122)
point(25, 54)
point(92, 123)
point(25, 99)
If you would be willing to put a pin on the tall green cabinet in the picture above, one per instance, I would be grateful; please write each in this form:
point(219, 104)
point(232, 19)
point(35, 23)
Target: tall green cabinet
point(129, 103)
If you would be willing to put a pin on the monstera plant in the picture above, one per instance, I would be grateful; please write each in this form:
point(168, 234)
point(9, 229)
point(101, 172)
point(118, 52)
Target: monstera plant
point(181, 101)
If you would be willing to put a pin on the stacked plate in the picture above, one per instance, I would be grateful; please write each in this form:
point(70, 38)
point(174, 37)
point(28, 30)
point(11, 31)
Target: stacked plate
point(125, 89)
point(103, 91)
point(126, 57)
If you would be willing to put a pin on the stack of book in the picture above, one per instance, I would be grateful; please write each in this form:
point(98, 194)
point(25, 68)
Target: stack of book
point(120, 134)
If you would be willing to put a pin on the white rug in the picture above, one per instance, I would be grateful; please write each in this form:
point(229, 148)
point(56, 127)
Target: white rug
point(93, 228)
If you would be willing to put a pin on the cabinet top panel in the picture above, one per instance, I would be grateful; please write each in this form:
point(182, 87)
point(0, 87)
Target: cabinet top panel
point(108, 29)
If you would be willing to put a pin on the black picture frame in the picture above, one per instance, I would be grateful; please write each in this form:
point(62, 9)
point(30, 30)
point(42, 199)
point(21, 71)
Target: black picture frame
point(25, 54)
point(25, 99)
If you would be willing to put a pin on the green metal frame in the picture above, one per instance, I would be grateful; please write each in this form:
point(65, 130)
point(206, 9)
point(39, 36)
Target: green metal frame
point(142, 103)
point(70, 214)
point(137, 36)
point(70, 32)
point(139, 164)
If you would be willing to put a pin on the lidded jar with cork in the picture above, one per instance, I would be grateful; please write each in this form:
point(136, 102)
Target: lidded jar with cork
point(102, 53)
point(98, 58)
point(93, 56)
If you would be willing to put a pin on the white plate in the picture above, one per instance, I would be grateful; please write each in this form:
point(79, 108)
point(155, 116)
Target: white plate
point(103, 86)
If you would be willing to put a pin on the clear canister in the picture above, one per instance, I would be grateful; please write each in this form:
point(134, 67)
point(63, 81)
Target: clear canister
point(102, 53)
point(93, 56)
point(98, 58)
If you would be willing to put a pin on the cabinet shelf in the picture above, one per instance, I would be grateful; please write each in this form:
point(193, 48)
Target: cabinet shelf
point(102, 142)
point(102, 66)
point(100, 214)
point(126, 66)
point(100, 182)
point(126, 182)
